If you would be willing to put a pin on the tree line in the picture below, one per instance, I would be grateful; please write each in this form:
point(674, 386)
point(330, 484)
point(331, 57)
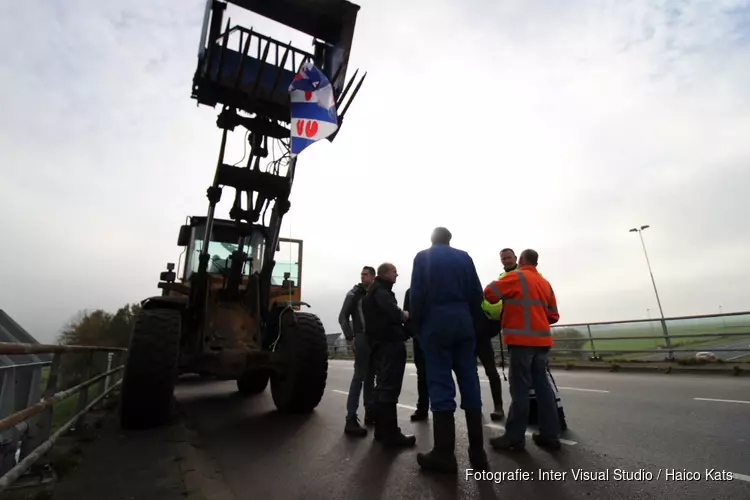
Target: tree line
point(94, 328)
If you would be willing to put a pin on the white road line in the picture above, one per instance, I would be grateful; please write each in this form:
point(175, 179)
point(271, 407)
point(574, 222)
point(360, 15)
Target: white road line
point(485, 381)
point(723, 400)
point(741, 477)
point(529, 433)
point(405, 407)
point(583, 390)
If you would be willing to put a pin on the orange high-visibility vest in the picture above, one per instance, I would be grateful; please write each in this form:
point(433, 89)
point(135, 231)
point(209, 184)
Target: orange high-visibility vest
point(529, 307)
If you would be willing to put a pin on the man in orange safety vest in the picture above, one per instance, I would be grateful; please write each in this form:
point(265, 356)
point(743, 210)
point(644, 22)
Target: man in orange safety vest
point(529, 308)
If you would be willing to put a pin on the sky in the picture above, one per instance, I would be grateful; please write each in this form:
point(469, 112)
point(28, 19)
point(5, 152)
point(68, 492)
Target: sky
point(549, 125)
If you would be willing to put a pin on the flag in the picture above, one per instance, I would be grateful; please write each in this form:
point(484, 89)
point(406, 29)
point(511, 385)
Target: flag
point(312, 106)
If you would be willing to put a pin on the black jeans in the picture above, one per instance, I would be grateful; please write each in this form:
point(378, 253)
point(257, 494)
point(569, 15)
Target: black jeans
point(423, 402)
point(388, 363)
point(486, 355)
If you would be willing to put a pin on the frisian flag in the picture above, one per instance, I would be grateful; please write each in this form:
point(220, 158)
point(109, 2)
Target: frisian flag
point(313, 108)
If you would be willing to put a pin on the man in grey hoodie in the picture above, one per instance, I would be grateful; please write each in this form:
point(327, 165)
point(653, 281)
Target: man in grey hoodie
point(352, 324)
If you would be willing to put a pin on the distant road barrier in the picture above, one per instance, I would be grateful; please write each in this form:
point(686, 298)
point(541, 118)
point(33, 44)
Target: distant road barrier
point(26, 419)
point(645, 337)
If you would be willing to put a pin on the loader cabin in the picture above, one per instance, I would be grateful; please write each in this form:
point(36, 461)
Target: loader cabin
point(225, 237)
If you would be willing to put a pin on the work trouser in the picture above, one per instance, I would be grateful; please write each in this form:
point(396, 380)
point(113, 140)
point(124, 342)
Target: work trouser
point(486, 355)
point(388, 362)
point(528, 369)
point(362, 377)
point(423, 401)
point(449, 345)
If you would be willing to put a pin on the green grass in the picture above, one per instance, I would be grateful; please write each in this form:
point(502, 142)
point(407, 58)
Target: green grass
point(64, 410)
point(712, 329)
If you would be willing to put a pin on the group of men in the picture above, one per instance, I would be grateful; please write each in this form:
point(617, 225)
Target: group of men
point(452, 320)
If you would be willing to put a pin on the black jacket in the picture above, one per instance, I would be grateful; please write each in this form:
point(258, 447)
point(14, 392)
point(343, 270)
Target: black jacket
point(383, 318)
point(351, 309)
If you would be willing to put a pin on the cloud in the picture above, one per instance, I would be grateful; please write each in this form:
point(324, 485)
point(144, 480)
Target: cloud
point(553, 125)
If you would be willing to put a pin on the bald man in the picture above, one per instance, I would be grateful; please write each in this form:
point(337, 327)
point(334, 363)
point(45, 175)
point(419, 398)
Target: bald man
point(384, 328)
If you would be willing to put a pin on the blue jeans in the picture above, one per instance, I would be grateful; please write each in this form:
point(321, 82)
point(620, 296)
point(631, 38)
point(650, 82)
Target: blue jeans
point(528, 369)
point(363, 376)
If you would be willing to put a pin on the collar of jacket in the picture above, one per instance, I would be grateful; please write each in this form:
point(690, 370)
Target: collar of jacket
point(511, 269)
point(359, 288)
point(388, 285)
point(531, 268)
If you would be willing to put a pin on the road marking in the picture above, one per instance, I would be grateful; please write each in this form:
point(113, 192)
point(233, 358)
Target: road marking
point(741, 477)
point(739, 356)
point(406, 407)
point(485, 381)
point(723, 400)
point(583, 390)
point(529, 433)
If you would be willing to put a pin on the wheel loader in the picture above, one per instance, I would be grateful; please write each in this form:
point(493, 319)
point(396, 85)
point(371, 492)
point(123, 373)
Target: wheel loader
point(236, 311)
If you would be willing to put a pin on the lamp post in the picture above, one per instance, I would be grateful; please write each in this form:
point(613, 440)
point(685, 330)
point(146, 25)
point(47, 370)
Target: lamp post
point(667, 342)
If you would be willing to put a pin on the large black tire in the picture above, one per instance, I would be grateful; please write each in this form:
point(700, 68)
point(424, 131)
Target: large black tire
point(151, 370)
point(253, 382)
point(304, 352)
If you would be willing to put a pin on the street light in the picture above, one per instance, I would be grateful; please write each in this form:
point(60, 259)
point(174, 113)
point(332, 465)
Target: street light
point(656, 292)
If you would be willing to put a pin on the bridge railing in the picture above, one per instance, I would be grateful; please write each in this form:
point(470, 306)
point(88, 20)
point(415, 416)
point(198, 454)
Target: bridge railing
point(656, 339)
point(26, 418)
point(645, 339)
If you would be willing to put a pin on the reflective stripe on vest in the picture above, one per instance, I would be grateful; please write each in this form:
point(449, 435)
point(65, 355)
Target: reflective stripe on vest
point(526, 303)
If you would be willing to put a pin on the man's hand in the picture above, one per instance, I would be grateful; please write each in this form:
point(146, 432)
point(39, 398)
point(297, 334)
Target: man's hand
point(405, 316)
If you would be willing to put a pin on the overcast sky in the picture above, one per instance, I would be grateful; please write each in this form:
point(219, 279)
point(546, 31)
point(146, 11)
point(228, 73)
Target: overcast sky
point(544, 124)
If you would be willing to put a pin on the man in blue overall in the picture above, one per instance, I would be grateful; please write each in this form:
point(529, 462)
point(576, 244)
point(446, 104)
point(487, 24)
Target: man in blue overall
point(446, 297)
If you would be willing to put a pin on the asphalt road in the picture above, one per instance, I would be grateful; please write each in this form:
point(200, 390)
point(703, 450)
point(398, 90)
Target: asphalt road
point(631, 422)
point(716, 349)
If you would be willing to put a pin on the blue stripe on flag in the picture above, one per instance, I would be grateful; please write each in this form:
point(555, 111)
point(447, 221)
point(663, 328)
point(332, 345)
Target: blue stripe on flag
point(299, 144)
point(311, 111)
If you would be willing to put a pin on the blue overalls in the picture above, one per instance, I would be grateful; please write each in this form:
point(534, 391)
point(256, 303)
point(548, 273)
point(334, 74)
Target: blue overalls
point(445, 297)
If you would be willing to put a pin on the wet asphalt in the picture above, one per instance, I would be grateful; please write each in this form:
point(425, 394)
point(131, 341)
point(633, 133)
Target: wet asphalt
point(637, 432)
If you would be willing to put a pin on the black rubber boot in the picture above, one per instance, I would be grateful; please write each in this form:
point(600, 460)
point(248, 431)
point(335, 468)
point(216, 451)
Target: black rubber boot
point(474, 428)
point(353, 428)
point(387, 430)
point(420, 414)
point(442, 458)
point(369, 417)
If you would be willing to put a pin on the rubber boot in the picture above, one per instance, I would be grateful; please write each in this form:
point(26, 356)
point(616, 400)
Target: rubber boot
point(369, 417)
point(387, 430)
point(419, 414)
point(442, 458)
point(474, 428)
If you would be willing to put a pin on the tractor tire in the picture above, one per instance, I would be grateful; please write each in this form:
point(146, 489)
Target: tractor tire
point(303, 349)
point(151, 370)
point(253, 382)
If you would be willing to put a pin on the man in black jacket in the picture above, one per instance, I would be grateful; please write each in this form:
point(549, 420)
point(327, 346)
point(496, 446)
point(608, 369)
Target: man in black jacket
point(354, 331)
point(385, 334)
point(423, 400)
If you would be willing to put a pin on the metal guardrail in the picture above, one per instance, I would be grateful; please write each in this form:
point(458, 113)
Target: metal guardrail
point(712, 327)
point(26, 419)
point(673, 331)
